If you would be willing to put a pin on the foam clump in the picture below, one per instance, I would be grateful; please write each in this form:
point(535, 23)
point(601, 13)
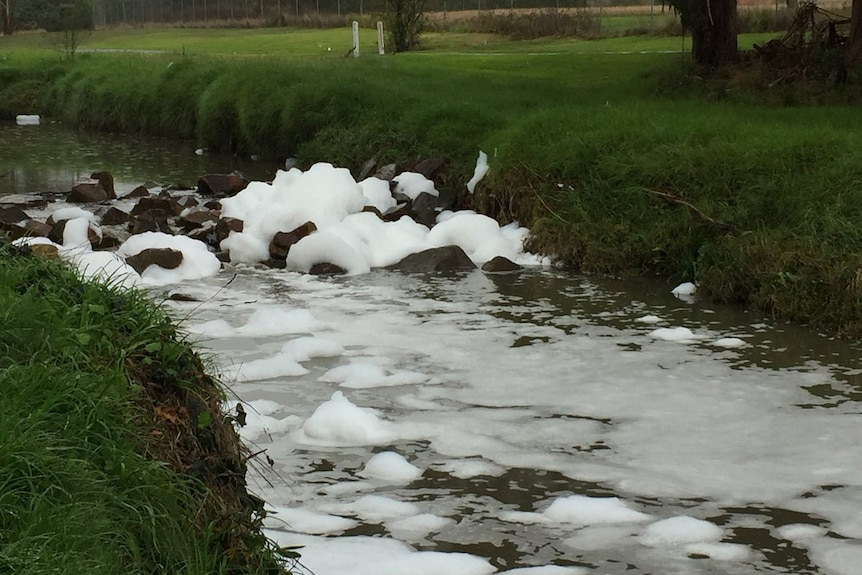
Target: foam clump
point(680, 334)
point(376, 508)
point(364, 375)
point(198, 262)
point(479, 171)
point(392, 467)
point(581, 510)
point(338, 422)
point(729, 342)
point(418, 527)
point(680, 530)
point(411, 184)
point(306, 521)
point(548, 570)
point(365, 555)
point(684, 289)
point(272, 320)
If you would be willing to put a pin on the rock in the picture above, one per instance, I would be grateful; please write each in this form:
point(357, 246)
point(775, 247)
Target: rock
point(86, 193)
point(37, 228)
point(281, 242)
point(373, 210)
point(163, 257)
point(206, 234)
point(139, 192)
point(196, 219)
point(431, 167)
point(214, 205)
point(114, 216)
point(326, 268)
point(387, 172)
point(188, 202)
point(12, 231)
point(106, 180)
point(365, 169)
point(227, 225)
point(108, 242)
point(47, 251)
point(275, 263)
point(446, 258)
point(500, 264)
point(165, 207)
point(425, 209)
point(12, 215)
point(221, 185)
point(396, 213)
point(223, 256)
point(177, 296)
point(148, 223)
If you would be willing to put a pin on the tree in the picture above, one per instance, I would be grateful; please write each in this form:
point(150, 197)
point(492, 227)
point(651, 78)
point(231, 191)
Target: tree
point(406, 20)
point(854, 43)
point(713, 27)
point(6, 9)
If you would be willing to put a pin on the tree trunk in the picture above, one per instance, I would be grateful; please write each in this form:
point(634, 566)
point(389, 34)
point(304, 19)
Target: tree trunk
point(854, 43)
point(713, 37)
point(6, 7)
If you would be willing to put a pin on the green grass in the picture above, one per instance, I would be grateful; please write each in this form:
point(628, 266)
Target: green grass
point(581, 137)
point(80, 489)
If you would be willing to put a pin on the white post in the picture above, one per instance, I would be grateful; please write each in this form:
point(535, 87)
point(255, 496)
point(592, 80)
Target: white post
point(355, 39)
point(380, 37)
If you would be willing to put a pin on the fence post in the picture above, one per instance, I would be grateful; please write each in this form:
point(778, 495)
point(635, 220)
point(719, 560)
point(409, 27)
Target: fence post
point(380, 37)
point(355, 39)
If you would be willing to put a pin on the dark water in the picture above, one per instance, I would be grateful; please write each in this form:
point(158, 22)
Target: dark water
point(51, 158)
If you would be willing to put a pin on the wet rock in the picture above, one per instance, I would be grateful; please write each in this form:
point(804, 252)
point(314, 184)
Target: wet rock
point(163, 257)
point(114, 216)
point(37, 228)
point(214, 205)
point(373, 210)
point(227, 225)
point(282, 241)
point(196, 219)
point(107, 242)
point(206, 234)
point(326, 268)
point(177, 296)
point(500, 264)
point(12, 215)
point(139, 192)
point(188, 202)
point(431, 167)
point(223, 256)
point(87, 193)
point(365, 169)
point(221, 185)
point(275, 263)
point(149, 223)
point(387, 172)
point(396, 213)
point(106, 180)
point(47, 251)
point(165, 207)
point(446, 258)
point(425, 208)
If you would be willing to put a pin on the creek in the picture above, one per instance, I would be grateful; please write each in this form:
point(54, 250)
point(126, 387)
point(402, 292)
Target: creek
point(538, 420)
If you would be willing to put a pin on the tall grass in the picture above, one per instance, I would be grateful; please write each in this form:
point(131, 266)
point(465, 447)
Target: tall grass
point(78, 492)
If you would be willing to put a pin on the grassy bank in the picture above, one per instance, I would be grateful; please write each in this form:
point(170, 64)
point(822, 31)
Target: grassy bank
point(114, 454)
point(618, 159)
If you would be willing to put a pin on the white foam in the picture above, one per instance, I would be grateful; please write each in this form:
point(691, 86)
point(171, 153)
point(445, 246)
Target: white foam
point(680, 530)
point(198, 262)
point(411, 184)
point(720, 551)
point(340, 422)
point(729, 342)
point(375, 508)
point(547, 570)
point(391, 467)
point(479, 171)
point(580, 510)
point(800, 531)
point(269, 320)
point(306, 521)
point(684, 289)
point(363, 375)
point(680, 334)
point(73, 212)
point(649, 319)
point(478, 235)
point(326, 247)
point(418, 527)
point(377, 194)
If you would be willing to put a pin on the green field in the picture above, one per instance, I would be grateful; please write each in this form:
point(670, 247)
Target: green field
point(617, 155)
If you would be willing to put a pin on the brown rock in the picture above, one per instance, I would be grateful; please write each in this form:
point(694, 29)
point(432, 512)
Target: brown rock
point(326, 268)
point(157, 207)
point(282, 241)
point(147, 223)
point(163, 257)
point(430, 167)
point(12, 215)
point(221, 185)
point(87, 192)
point(37, 228)
point(446, 258)
point(106, 180)
point(227, 225)
point(47, 251)
point(500, 264)
point(139, 192)
point(114, 216)
point(196, 219)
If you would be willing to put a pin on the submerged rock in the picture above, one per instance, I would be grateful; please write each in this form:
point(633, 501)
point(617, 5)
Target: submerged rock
point(446, 258)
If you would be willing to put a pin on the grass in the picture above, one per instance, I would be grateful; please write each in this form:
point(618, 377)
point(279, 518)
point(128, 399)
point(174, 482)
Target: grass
point(96, 441)
point(618, 156)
